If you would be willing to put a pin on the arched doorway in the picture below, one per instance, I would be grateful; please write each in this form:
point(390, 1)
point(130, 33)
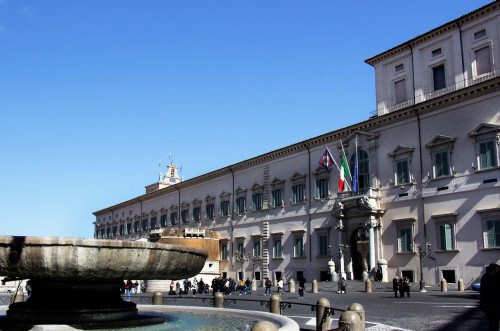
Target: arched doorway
point(360, 250)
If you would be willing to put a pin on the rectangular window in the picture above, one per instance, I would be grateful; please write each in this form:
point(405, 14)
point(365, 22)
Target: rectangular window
point(240, 205)
point(439, 77)
point(480, 34)
point(400, 91)
point(129, 228)
point(399, 67)
point(322, 188)
point(223, 252)
point(153, 223)
point(493, 233)
point(298, 193)
point(224, 208)
point(256, 249)
point(437, 52)
point(277, 248)
point(144, 225)
point(108, 232)
point(298, 247)
point(185, 216)
point(163, 220)
point(257, 201)
point(122, 230)
point(487, 154)
point(483, 61)
point(446, 239)
point(136, 226)
point(210, 211)
point(323, 245)
point(240, 250)
point(277, 197)
point(405, 240)
point(402, 172)
point(196, 214)
point(442, 164)
point(173, 218)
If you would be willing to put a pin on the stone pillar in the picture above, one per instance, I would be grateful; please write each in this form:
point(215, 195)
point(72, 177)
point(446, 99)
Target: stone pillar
point(372, 265)
point(368, 286)
point(219, 300)
point(340, 228)
point(291, 286)
point(358, 309)
point(351, 320)
point(275, 304)
point(264, 326)
point(158, 298)
point(333, 275)
point(314, 286)
point(444, 285)
point(322, 320)
point(460, 285)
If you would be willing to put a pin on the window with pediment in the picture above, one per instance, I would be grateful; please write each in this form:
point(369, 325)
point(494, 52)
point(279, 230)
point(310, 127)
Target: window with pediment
point(321, 183)
point(185, 213)
point(224, 204)
point(196, 210)
point(241, 201)
point(486, 141)
point(173, 215)
point(277, 193)
point(210, 207)
point(445, 231)
point(257, 197)
point(441, 148)
point(298, 188)
point(402, 156)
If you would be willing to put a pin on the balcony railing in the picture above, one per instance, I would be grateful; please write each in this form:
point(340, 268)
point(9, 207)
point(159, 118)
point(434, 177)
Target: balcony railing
point(435, 94)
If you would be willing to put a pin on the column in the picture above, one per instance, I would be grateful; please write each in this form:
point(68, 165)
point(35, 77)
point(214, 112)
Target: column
point(371, 239)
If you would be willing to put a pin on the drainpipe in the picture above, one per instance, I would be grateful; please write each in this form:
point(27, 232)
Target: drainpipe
point(179, 207)
point(309, 202)
point(422, 205)
point(413, 75)
point(231, 234)
point(461, 52)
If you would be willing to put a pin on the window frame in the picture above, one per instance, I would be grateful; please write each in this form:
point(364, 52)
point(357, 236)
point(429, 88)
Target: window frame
point(407, 225)
point(277, 246)
point(490, 217)
point(298, 189)
point(298, 244)
point(445, 220)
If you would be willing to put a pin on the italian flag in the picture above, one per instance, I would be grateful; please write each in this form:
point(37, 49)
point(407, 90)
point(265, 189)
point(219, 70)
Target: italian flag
point(344, 172)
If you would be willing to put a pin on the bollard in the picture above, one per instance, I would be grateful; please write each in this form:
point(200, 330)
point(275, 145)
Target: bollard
point(461, 285)
point(323, 320)
point(275, 304)
point(358, 309)
point(444, 285)
point(291, 286)
point(17, 296)
point(351, 320)
point(264, 326)
point(254, 285)
point(219, 300)
point(158, 298)
point(368, 286)
point(314, 287)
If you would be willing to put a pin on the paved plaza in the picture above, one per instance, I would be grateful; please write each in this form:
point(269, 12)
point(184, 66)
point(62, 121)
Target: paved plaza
point(432, 310)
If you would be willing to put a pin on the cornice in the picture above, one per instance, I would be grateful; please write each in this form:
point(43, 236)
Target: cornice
point(371, 124)
point(443, 29)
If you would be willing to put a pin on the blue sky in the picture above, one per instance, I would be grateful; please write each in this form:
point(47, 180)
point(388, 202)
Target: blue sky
point(93, 93)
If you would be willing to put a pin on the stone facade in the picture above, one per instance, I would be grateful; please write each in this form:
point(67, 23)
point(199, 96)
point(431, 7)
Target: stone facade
point(428, 170)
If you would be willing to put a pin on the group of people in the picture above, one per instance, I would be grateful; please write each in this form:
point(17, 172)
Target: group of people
point(400, 286)
point(129, 287)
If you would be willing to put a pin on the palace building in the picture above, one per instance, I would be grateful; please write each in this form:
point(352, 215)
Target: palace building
point(424, 201)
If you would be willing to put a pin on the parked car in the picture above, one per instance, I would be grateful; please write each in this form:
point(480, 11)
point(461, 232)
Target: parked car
point(475, 286)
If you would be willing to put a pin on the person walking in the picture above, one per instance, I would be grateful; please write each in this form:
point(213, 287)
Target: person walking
point(302, 285)
point(406, 285)
point(268, 286)
point(280, 287)
point(395, 286)
point(342, 285)
point(489, 292)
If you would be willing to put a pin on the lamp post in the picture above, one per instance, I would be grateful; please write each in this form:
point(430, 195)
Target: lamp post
point(421, 255)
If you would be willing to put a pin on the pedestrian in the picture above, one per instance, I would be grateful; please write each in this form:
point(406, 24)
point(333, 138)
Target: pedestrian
point(172, 284)
point(136, 285)
point(489, 291)
point(128, 289)
point(379, 274)
point(280, 287)
point(268, 286)
point(248, 286)
point(395, 286)
point(143, 287)
point(302, 285)
point(401, 286)
point(342, 285)
point(201, 286)
point(28, 287)
point(407, 285)
point(241, 286)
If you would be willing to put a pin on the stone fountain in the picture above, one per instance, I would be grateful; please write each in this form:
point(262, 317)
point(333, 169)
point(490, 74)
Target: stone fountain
point(77, 281)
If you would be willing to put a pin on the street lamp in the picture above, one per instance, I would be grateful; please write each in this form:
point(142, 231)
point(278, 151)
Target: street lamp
point(421, 255)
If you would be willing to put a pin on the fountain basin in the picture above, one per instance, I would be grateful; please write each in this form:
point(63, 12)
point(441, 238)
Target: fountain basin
point(78, 281)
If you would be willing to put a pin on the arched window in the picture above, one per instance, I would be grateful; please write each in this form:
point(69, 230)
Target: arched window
point(363, 169)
